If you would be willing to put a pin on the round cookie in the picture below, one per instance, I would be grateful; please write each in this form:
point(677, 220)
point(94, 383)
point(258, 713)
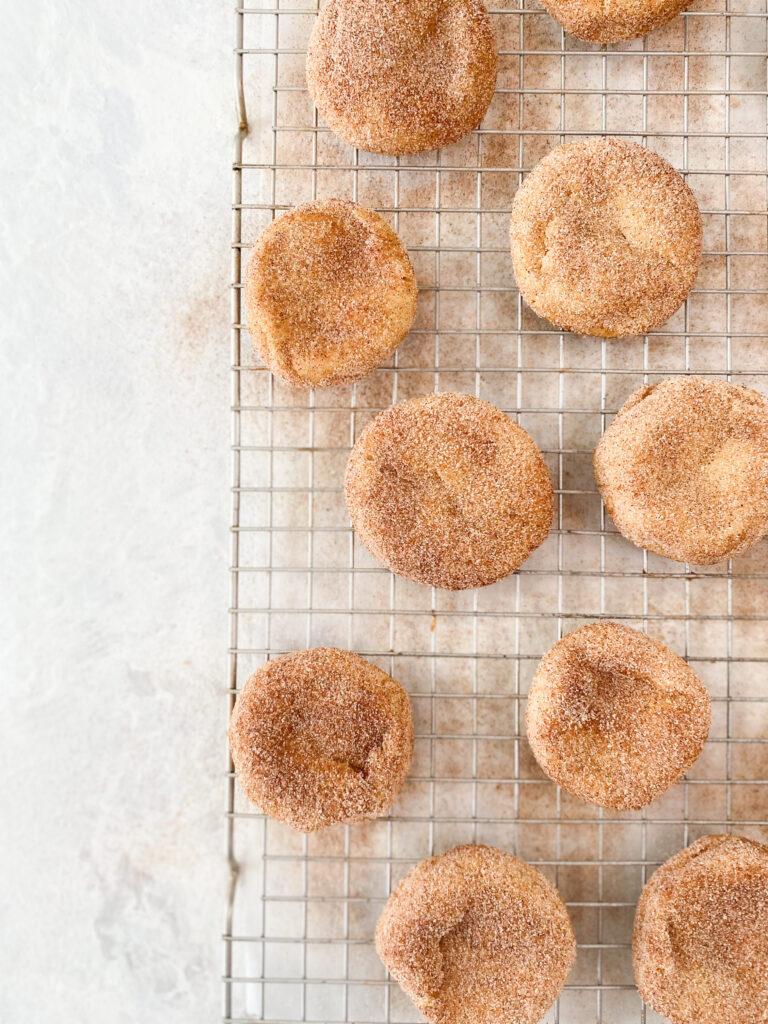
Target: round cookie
point(448, 491)
point(477, 935)
point(329, 293)
point(606, 238)
point(321, 736)
point(700, 943)
point(615, 717)
point(402, 76)
point(598, 22)
point(683, 469)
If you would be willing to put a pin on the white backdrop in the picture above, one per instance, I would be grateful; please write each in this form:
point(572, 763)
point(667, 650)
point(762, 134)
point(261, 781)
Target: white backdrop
point(114, 244)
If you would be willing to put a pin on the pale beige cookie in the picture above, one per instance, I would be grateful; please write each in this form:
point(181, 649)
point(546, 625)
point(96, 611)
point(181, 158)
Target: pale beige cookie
point(606, 238)
point(329, 293)
point(597, 21)
point(476, 936)
point(700, 944)
point(321, 736)
point(683, 469)
point(615, 717)
point(402, 76)
point(448, 491)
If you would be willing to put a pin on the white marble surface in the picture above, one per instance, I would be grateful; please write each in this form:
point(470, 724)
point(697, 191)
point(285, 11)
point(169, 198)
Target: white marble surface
point(114, 253)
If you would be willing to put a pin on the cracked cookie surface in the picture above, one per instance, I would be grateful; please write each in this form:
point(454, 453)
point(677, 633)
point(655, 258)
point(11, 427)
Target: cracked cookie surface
point(448, 491)
point(605, 237)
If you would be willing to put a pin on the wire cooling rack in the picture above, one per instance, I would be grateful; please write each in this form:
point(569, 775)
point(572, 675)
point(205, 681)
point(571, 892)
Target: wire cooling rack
point(302, 909)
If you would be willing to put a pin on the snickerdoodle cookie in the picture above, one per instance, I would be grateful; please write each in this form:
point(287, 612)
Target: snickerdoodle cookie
point(606, 238)
point(700, 944)
point(615, 717)
point(477, 935)
point(329, 293)
point(448, 491)
point(599, 22)
point(321, 736)
point(683, 469)
point(402, 76)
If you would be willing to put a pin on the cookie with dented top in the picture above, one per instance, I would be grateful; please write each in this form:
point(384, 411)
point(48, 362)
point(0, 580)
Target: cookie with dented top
point(700, 943)
point(615, 717)
point(596, 21)
point(402, 76)
point(605, 237)
point(448, 491)
point(477, 935)
point(321, 736)
point(329, 293)
point(683, 469)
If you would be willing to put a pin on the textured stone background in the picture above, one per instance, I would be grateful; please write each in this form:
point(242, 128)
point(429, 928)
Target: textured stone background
point(114, 266)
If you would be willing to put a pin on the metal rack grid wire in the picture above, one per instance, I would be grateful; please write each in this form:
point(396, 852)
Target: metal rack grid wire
point(301, 910)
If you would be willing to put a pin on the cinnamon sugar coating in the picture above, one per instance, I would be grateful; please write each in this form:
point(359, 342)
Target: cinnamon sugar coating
point(476, 935)
point(615, 717)
point(700, 944)
point(402, 76)
point(606, 238)
point(683, 469)
point(448, 491)
point(329, 293)
point(600, 22)
point(321, 736)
